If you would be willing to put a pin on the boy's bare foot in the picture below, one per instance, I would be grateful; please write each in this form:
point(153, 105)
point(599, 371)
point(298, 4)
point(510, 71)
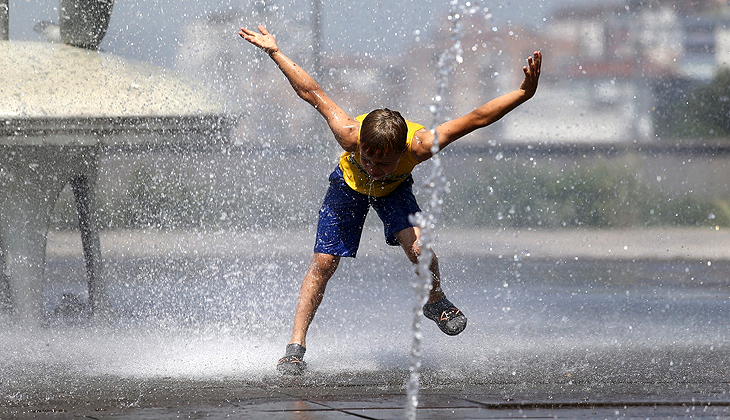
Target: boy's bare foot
point(447, 316)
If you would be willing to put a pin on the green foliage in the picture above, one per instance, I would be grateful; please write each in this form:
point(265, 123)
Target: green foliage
point(606, 195)
point(505, 193)
point(702, 112)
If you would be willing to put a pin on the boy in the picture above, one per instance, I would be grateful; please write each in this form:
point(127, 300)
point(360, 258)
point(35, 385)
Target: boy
point(380, 151)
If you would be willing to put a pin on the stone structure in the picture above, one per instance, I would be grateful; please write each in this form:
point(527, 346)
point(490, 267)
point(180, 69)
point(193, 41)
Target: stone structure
point(61, 106)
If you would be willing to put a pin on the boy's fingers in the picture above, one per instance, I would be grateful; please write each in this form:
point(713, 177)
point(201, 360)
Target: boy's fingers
point(245, 31)
point(534, 62)
point(263, 30)
point(530, 67)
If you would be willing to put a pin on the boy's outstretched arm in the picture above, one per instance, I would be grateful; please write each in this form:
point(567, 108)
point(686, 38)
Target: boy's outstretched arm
point(486, 114)
point(343, 127)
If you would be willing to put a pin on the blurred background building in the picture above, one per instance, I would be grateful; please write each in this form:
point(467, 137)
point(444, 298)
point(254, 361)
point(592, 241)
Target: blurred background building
point(610, 69)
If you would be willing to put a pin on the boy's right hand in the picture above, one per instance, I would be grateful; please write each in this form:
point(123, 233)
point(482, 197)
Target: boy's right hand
point(263, 40)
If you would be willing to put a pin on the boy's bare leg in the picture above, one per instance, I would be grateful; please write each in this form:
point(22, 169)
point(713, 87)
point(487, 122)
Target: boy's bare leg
point(447, 317)
point(408, 240)
point(321, 269)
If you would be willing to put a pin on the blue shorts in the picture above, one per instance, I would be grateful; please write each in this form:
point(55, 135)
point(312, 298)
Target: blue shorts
point(343, 212)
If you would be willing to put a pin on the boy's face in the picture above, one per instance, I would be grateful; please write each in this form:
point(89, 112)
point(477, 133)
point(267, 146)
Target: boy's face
point(379, 166)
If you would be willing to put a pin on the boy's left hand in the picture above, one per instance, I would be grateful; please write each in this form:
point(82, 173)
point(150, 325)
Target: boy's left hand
point(532, 73)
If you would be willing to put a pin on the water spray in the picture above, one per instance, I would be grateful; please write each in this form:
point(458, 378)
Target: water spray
point(435, 185)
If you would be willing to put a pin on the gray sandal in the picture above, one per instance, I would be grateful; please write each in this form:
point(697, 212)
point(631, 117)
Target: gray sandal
point(447, 316)
point(293, 361)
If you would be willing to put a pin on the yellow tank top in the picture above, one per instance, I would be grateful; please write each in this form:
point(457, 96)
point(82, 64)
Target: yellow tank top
point(357, 179)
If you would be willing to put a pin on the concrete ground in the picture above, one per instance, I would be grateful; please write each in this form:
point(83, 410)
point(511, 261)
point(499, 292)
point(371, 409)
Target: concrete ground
point(372, 396)
point(696, 384)
point(662, 244)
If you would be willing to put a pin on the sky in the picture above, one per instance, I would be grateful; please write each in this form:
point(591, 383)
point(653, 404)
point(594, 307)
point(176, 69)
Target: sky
point(150, 30)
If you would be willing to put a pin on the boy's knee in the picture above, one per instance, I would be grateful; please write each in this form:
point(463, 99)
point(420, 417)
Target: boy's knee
point(324, 263)
point(408, 238)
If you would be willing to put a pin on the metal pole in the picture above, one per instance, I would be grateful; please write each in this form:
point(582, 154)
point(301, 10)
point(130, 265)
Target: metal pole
point(317, 37)
point(317, 66)
point(4, 20)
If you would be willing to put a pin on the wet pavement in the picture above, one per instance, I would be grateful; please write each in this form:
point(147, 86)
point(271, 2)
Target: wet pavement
point(607, 382)
point(373, 396)
point(554, 332)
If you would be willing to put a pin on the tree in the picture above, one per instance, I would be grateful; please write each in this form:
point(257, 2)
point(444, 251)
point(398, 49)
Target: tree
point(699, 112)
